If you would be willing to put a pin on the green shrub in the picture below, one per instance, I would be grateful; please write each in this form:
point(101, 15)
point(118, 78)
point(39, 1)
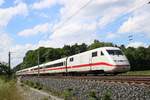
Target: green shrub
point(22, 85)
point(68, 94)
point(46, 98)
point(92, 95)
point(107, 95)
point(38, 85)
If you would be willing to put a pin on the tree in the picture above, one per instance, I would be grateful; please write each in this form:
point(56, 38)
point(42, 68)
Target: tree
point(4, 69)
point(75, 49)
point(67, 50)
point(41, 52)
point(98, 44)
point(83, 47)
point(30, 59)
point(139, 58)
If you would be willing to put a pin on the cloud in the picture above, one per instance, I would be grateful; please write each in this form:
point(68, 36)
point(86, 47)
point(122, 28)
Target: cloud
point(5, 45)
point(111, 35)
point(44, 15)
point(43, 4)
point(72, 33)
point(73, 28)
point(5, 40)
point(137, 23)
point(6, 14)
point(1, 2)
point(98, 13)
point(41, 28)
point(137, 44)
point(19, 51)
point(70, 40)
point(85, 22)
point(104, 11)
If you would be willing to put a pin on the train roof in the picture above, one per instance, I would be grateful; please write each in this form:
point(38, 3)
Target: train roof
point(101, 48)
point(111, 48)
point(51, 62)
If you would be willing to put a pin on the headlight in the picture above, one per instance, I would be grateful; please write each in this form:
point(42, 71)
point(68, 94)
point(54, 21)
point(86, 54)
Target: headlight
point(119, 60)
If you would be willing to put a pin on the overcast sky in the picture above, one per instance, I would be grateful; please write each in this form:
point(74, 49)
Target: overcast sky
point(28, 24)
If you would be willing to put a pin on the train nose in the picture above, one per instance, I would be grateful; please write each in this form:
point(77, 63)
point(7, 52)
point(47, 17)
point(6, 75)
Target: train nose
point(122, 68)
point(121, 62)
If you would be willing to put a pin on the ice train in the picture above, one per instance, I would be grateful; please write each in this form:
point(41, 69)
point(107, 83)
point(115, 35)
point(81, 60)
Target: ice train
point(96, 61)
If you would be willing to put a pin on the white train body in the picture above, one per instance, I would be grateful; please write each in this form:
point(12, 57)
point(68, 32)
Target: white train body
point(104, 59)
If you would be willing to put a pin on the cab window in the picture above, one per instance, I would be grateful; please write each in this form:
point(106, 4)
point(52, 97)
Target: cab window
point(114, 52)
point(71, 59)
point(94, 54)
point(102, 54)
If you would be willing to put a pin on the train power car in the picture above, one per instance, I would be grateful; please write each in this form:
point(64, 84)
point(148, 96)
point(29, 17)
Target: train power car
point(100, 60)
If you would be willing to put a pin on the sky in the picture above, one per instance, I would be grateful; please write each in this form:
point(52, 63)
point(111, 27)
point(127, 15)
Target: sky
point(29, 24)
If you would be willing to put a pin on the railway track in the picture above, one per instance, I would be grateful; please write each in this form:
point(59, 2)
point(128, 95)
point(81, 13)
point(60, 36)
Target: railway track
point(145, 80)
point(122, 87)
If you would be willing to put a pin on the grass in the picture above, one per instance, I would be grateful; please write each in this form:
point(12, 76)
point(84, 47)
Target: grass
point(146, 72)
point(8, 90)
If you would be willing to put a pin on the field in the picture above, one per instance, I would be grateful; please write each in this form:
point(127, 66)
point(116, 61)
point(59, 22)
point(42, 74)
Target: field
point(8, 90)
point(146, 72)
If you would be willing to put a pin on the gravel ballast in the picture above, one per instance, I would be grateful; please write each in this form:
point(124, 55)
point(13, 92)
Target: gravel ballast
point(82, 88)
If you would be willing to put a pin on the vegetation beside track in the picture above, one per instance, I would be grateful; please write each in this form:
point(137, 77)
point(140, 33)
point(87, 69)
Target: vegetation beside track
point(8, 89)
point(8, 86)
point(146, 72)
point(35, 85)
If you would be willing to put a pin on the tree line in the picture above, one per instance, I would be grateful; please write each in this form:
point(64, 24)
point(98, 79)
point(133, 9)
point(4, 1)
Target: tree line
point(5, 69)
point(139, 57)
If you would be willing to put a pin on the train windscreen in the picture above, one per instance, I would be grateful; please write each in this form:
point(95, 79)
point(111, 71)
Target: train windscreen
point(114, 52)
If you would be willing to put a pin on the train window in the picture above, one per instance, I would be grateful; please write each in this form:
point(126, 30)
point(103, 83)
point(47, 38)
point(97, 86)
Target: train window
point(102, 53)
point(55, 65)
point(71, 59)
point(114, 52)
point(37, 68)
point(58, 64)
point(49, 66)
point(94, 54)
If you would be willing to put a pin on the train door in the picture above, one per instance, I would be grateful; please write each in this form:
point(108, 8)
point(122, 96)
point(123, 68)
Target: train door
point(66, 65)
point(93, 59)
point(90, 62)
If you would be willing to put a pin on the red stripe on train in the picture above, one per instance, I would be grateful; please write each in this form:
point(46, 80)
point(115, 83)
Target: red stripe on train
point(79, 66)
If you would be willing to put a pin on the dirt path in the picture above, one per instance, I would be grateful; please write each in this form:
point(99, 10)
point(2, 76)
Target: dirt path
point(29, 93)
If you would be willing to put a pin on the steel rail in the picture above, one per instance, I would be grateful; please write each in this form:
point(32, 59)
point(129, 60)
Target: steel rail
point(123, 78)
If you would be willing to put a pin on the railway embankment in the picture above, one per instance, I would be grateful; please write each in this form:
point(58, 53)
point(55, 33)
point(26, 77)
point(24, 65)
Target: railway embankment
point(30, 93)
point(98, 90)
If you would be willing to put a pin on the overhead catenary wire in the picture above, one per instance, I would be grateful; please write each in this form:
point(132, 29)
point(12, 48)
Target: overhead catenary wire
point(78, 11)
point(130, 37)
point(70, 17)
